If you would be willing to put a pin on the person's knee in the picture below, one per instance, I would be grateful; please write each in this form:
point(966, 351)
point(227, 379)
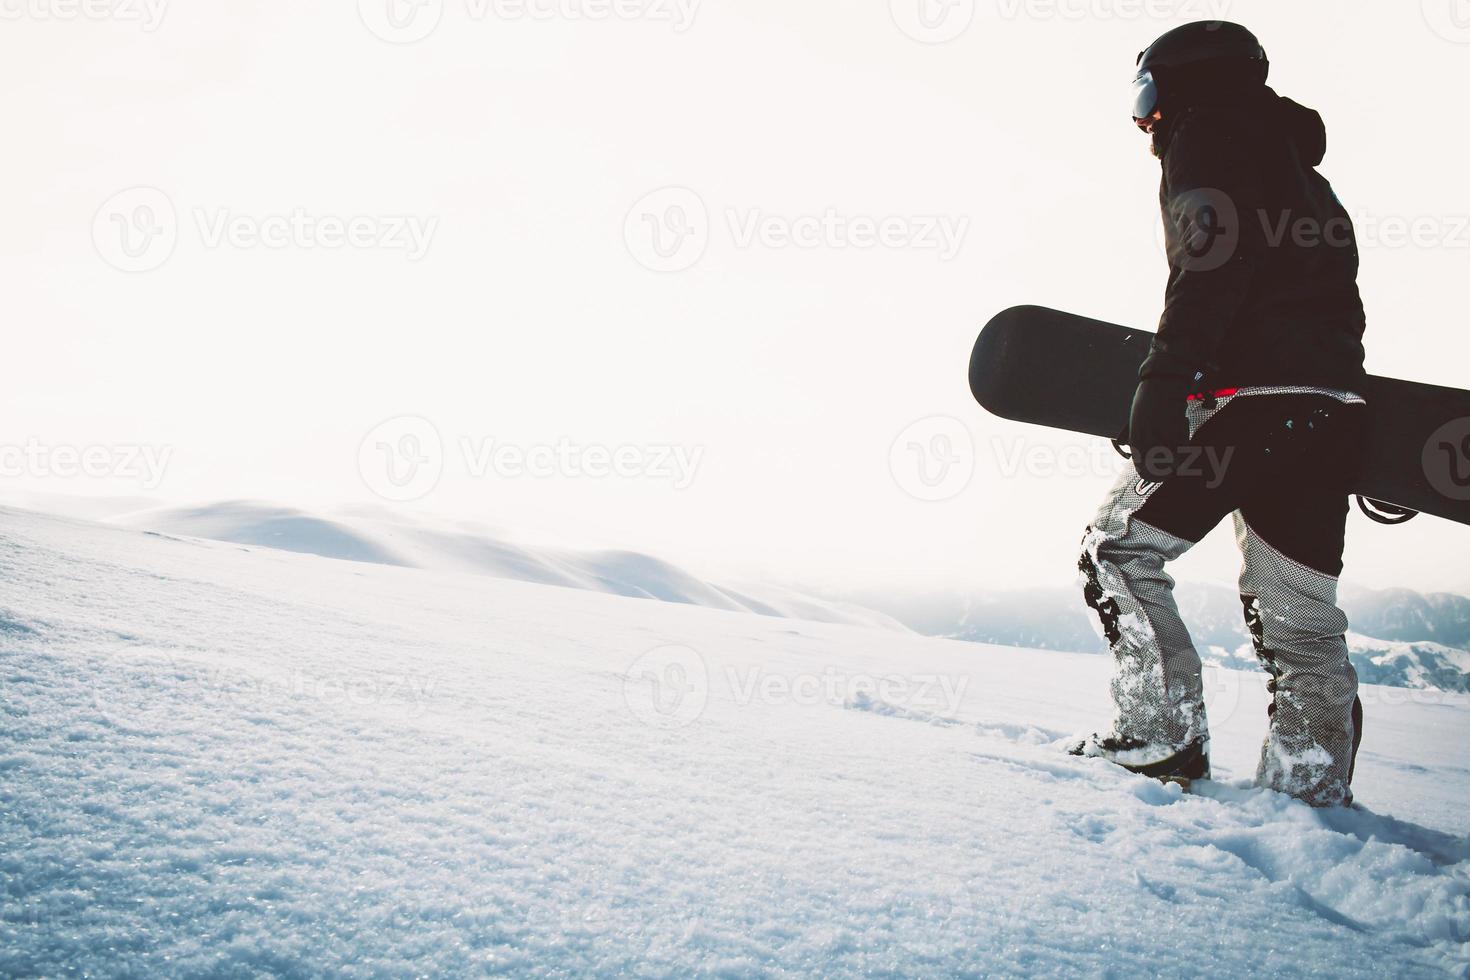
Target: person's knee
point(1097, 551)
point(1300, 625)
point(1096, 595)
point(1251, 609)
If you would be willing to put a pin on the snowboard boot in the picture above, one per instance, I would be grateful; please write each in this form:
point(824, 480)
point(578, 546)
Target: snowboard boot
point(1183, 766)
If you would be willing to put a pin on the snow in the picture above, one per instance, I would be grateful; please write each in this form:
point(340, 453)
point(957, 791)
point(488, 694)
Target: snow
point(219, 759)
point(365, 535)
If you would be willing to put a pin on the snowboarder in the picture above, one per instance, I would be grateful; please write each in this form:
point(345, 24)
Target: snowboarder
point(1248, 406)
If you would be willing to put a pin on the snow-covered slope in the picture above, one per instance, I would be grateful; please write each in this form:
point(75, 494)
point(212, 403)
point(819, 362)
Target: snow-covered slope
point(466, 547)
point(227, 761)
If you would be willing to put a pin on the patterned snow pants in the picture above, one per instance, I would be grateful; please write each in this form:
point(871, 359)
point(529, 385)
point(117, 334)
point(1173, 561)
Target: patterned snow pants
point(1281, 461)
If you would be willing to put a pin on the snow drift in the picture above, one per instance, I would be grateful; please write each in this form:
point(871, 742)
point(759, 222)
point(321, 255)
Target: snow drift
point(467, 547)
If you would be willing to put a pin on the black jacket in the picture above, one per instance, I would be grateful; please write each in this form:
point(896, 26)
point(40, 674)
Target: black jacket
point(1263, 257)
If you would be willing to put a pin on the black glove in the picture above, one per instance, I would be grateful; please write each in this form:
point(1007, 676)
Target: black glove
point(1158, 429)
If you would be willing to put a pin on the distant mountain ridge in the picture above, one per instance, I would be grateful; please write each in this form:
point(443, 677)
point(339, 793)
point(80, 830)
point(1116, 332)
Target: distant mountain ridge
point(1404, 615)
point(1399, 637)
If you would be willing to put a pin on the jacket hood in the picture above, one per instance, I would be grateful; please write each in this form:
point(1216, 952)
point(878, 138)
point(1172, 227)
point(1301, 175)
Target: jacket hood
point(1305, 128)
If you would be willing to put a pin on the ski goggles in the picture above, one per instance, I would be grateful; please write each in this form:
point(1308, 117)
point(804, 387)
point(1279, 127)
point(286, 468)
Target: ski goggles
point(1145, 96)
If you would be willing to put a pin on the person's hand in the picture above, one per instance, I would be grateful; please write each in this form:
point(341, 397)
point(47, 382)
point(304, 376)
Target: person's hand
point(1158, 429)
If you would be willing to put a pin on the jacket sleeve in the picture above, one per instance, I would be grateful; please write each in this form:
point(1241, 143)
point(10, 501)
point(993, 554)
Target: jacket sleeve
point(1212, 202)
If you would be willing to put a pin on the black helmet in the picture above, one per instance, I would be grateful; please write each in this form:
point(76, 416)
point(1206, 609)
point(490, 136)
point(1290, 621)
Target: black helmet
point(1194, 49)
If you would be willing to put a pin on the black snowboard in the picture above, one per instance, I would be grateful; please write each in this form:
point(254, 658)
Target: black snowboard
point(1032, 364)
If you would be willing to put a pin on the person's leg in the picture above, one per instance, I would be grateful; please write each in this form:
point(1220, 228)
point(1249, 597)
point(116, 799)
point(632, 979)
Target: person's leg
point(1290, 530)
point(1299, 636)
point(1157, 690)
point(1268, 661)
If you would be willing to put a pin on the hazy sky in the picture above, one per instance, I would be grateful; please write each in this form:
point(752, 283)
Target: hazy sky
point(723, 253)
